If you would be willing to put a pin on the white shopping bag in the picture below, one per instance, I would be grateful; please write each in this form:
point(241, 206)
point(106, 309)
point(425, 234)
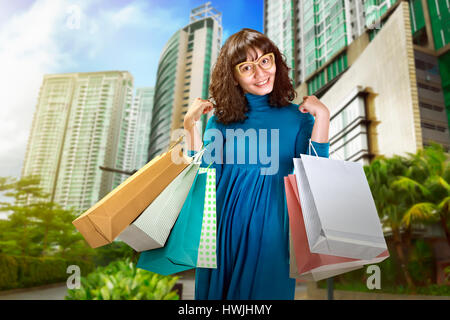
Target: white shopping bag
point(152, 227)
point(338, 208)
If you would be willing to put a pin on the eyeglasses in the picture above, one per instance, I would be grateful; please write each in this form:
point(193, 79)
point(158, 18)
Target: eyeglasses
point(248, 68)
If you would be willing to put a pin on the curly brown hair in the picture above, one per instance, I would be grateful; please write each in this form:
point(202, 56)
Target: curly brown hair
point(229, 99)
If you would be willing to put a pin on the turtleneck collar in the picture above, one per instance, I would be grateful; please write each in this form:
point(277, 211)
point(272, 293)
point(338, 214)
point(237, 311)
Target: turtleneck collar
point(256, 102)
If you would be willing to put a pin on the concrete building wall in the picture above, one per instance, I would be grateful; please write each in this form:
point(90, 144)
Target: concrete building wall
point(180, 79)
point(198, 64)
point(386, 71)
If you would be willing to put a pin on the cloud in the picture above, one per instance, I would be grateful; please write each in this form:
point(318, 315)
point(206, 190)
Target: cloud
point(66, 36)
point(27, 51)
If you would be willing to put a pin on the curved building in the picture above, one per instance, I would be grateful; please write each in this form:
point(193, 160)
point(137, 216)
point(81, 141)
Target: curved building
point(183, 74)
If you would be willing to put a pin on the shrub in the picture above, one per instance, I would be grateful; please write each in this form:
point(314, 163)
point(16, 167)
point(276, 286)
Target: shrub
point(24, 272)
point(121, 280)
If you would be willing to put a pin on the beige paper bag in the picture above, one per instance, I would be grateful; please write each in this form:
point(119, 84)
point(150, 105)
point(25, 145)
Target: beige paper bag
point(104, 221)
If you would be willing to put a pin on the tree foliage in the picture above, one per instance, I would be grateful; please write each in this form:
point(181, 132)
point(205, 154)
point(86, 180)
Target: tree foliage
point(410, 191)
point(37, 227)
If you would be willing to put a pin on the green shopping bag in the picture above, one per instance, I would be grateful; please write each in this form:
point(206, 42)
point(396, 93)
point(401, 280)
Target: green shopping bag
point(181, 251)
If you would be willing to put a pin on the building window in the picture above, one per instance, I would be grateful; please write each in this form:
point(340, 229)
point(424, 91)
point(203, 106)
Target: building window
point(427, 87)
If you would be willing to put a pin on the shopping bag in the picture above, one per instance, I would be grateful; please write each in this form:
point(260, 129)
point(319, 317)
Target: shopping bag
point(181, 251)
point(314, 274)
point(151, 229)
point(304, 264)
point(338, 208)
point(104, 221)
point(207, 247)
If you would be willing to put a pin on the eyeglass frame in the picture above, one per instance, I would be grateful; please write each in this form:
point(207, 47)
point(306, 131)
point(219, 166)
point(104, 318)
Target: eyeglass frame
point(255, 63)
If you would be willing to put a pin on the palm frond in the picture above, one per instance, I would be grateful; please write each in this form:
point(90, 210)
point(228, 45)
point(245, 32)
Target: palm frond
point(444, 205)
point(420, 212)
point(409, 185)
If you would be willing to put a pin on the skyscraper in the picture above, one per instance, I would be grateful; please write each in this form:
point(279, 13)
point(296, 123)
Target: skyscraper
point(77, 127)
point(331, 36)
point(396, 83)
point(313, 32)
point(183, 74)
point(143, 104)
point(279, 22)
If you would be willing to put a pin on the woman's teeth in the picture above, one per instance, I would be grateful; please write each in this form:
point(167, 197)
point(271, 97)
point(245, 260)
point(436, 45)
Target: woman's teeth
point(259, 84)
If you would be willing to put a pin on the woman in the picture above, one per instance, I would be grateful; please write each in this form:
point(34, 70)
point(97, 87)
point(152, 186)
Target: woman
point(252, 91)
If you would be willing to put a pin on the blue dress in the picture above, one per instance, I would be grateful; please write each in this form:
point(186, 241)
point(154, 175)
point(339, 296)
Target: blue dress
point(252, 219)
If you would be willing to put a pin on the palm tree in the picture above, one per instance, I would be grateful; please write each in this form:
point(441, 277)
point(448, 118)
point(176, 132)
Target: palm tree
point(431, 169)
point(391, 207)
point(408, 190)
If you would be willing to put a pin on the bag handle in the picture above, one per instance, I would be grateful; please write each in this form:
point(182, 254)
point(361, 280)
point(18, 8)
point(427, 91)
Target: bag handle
point(311, 145)
point(180, 138)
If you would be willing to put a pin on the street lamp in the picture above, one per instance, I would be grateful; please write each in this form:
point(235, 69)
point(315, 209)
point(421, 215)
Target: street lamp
point(330, 288)
point(130, 173)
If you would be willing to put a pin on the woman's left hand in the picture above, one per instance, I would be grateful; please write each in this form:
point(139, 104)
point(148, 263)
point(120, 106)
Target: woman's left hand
point(313, 105)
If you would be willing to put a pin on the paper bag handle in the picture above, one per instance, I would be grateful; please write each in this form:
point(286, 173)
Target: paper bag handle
point(311, 145)
point(180, 138)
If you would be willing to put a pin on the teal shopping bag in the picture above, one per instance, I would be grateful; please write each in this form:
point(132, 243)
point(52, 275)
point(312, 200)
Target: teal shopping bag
point(181, 250)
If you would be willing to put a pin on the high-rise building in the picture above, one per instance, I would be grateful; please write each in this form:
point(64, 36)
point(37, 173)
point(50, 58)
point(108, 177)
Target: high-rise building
point(389, 100)
point(143, 105)
point(183, 74)
point(382, 67)
point(279, 27)
point(430, 26)
point(126, 140)
point(77, 127)
point(332, 35)
point(375, 9)
point(313, 32)
point(328, 27)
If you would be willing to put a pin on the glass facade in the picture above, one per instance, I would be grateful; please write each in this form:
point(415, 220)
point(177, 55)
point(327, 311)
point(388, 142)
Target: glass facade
point(183, 75)
point(318, 30)
point(374, 9)
point(143, 102)
point(325, 31)
point(439, 11)
point(279, 23)
point(47, 132)
point(164, 97)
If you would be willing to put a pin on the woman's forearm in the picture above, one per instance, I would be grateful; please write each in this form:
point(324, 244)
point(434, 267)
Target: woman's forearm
point(193, 138)
point(321, 127)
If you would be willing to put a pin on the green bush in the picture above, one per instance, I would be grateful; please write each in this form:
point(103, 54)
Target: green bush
point(121, 280)
point(116, 250)
point(421, 263)
point(433, 289)
point(25, 272)
point(9, 272)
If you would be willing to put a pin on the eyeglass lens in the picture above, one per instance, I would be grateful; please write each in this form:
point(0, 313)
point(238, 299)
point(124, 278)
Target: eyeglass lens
point(249, 68)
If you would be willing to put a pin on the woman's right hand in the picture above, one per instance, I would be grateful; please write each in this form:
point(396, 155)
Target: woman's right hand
point(195, 111)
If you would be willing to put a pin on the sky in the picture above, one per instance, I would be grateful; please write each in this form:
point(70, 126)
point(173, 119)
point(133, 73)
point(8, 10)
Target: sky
point(58, 36)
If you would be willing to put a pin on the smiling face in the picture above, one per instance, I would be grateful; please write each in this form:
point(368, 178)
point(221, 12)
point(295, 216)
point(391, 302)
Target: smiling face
point(261, 82)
